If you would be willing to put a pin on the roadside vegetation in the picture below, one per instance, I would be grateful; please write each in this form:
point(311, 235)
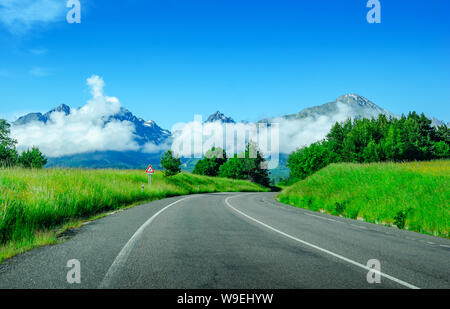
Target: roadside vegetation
point(410, 138)
point(36, 203)
point(377, 170)
point(413, 196)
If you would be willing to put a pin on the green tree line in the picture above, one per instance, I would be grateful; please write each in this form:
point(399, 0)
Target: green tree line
point(248, 165)
point(408, 138)
point(9, 156)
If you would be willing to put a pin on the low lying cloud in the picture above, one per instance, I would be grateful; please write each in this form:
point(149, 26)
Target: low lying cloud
point(155, 148)
point(304, 132)
point(83, 130)
point(18, 16)
point(281, 135)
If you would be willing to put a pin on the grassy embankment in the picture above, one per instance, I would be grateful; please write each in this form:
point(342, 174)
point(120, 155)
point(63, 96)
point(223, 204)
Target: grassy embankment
point(414, 196)
point(36, 205)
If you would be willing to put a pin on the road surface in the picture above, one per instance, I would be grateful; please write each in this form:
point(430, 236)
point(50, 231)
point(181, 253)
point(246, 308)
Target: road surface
point(232, 240)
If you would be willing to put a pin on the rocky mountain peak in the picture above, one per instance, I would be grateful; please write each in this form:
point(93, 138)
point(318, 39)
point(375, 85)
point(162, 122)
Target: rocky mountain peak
point(218, 116)
point(355, 99)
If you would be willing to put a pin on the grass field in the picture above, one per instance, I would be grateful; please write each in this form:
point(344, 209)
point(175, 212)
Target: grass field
point(35, 204)
point(414, 196)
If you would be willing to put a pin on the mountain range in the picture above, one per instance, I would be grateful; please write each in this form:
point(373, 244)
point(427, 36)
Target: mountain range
point(145, 131)
point(353, 105)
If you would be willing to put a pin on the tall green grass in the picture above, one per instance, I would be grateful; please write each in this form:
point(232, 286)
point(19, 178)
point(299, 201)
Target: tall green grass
point(33, 203)
point(415, 195)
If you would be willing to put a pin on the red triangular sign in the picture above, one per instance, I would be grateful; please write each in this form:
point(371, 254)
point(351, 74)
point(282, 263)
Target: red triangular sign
point(150, 170)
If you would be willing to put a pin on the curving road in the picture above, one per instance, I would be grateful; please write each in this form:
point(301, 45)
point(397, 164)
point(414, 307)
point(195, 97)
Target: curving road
point(232, 240)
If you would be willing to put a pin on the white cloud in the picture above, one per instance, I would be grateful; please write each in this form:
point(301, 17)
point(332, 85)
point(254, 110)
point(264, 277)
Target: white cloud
point(84, 130)
point(18, 16)
point(153, 148)
point(195, 138)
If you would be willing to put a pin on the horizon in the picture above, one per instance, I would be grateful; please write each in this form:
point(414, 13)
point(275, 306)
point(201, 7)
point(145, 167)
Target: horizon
point(248, 61)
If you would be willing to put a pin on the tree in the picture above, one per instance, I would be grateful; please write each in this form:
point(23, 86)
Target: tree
point(249, 165)
point(441, 149)
point(210, 165)
point(255, 165)
point(372, 152)
point(170, 163)
point(233, 168)
point(32, 158)
point(308, 160)
point(8, 153)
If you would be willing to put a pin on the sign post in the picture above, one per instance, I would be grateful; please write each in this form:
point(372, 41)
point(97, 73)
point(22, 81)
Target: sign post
point(149, 172)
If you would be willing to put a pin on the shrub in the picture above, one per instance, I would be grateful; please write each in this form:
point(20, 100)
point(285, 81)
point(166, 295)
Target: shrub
point(400, 219)
point(32, 158)
point(210, 165)
point(170, 163)
point(339, 207)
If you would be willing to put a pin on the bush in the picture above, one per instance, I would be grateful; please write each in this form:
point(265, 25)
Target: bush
point(400, 219)
point(170, 163)
point(307, 160)
point(233, 168)
point(340, 207)
point(32, 158)
point(210, 165)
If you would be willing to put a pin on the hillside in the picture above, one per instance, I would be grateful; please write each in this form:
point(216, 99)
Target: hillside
point(415, 194)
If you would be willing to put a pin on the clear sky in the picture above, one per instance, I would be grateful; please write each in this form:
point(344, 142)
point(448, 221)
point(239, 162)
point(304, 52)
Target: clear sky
point(168, 60)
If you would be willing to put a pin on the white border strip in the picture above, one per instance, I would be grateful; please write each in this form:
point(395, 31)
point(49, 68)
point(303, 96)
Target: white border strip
point(406, 284)
point(122, 257)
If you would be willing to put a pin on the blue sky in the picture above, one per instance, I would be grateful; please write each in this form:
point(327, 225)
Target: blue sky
point(168, 60)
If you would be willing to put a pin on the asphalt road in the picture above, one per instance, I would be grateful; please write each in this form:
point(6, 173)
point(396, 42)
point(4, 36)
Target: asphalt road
point(232, 240)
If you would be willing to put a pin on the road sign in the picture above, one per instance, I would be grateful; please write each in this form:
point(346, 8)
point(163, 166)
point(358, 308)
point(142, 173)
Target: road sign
point(150, 170)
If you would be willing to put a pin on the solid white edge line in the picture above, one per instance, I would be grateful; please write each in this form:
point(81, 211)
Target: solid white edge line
point(406, 284)
point(122, 257)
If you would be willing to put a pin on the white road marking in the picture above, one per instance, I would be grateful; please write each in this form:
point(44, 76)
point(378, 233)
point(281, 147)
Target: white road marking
point(406, 284)
point(445, 246)
point(122, 257)
point(359, 226)
point(311, 215)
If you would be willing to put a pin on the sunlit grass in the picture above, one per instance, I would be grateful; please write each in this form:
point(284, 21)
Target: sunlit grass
point(377, 192)
point(35, 203)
